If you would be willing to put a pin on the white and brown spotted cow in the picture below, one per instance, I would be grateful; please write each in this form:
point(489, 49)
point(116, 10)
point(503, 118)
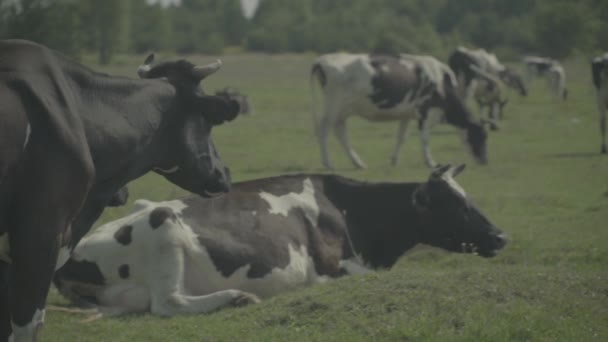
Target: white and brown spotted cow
point(599, 72)
point(390, 88)
point(267, 236)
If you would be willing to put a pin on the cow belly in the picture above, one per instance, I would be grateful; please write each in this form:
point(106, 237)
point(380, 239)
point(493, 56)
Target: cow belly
point(201, 276)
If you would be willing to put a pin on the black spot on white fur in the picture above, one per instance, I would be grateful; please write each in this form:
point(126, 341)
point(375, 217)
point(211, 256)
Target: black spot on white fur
point(159, 215)
point(123, 235)
point(123, 271)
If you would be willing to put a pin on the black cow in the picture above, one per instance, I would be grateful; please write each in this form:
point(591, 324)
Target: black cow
point(70, 138)
point(267, 236)
point(599, 72)
point(390, 88)
point(469, 65)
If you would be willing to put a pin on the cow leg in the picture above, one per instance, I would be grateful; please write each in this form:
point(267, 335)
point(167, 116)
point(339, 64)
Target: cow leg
point(425, 126)
point(602, 109)
point(323, 136)
point(342, 135)
point(401, 137)
point(167, 288)
point(5, 318)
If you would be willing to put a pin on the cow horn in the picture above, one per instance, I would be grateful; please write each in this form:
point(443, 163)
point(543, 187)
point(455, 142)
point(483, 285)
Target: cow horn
point(455, 171)
point(200, 72)
point(439, 170)
point(143, 69)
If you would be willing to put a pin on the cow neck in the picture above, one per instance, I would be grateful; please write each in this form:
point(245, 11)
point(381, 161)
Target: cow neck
point(381, 221)
point(122, 120)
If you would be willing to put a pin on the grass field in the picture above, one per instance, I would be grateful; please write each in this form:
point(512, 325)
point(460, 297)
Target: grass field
point(546, 186)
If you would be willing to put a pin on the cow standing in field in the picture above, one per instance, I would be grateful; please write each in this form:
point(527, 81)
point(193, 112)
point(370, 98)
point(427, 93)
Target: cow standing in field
point(552, 70)
point(265, 237)
point(70, 138)
point(389, 88)
point(469, 65)
point(599, 72)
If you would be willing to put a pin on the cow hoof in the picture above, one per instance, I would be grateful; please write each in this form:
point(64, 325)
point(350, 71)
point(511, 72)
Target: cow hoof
point(244, 299)
point(604, 150)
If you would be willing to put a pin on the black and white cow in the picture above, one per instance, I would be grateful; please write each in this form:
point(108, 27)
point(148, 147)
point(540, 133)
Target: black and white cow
point(70, 138)
point(599, 72)
point(469, 65)
point(389, 88)
point(233, 94)
point(489, 93)
point(267, 236)
point(550, 69)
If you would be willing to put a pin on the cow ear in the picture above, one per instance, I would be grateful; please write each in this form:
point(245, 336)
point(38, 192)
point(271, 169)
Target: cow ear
point(458, 169)
point(218, 110)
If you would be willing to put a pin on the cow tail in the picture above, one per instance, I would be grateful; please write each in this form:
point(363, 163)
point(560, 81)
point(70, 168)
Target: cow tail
point(316, 75)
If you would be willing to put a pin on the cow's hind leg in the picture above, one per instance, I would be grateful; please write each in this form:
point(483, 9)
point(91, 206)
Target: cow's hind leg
point(342, 135)
point(401, 138)
point(323, 136)
point(167, 293)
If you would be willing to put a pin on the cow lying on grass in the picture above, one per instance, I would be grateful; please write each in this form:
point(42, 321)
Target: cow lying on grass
point(267, 236)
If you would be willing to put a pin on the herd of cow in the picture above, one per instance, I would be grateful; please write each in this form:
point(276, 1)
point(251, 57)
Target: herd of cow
point(72, 138)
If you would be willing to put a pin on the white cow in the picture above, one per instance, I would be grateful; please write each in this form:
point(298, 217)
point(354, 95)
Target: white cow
point(599, 70)
point(552, 70)
point(389, 88)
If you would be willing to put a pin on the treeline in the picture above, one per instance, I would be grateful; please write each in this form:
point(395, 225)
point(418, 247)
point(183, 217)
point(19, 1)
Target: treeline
point(556, 28)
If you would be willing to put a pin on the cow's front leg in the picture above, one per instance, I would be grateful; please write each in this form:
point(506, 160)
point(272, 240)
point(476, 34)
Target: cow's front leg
point(5, 317)
point(401, 138)
point(167, 294)
point(342, 135)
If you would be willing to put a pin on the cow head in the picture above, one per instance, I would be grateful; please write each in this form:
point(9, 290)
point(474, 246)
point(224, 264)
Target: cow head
point(233, 94)
point(192, 162)
point(512, 79)
point(451, 221)
point(475, 134)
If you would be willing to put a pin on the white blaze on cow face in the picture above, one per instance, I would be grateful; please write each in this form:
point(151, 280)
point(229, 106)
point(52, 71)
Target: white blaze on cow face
point(28, 331)
point(4, 248)
point(305, 200)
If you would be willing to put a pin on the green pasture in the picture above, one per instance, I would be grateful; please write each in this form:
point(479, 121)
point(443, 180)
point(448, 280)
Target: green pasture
point(546, 186)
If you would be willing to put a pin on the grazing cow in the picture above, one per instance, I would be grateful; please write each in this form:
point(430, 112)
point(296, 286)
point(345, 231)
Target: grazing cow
point(384, 88)
point(267, 236)
point(552, 70)
point(489, 93)
point(599, 72)
point(469, 65)
point(70, 138)
point(230, 93)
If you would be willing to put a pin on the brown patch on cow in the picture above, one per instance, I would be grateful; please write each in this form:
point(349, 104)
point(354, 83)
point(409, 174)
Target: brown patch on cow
point(159, 215)
point(123, 235)
point(123, 271)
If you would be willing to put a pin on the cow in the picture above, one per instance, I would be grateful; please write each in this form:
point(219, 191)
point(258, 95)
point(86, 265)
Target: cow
point(599, 72)
point(389, 88)
point(70, 138)
point(552, 70)
point(267, 236)
point(231, 93)
point(469, 65)
point(489, 93)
